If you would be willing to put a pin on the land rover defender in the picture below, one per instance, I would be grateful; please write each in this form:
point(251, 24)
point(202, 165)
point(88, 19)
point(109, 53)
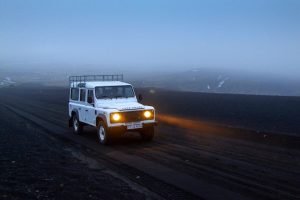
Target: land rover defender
point(110, 105)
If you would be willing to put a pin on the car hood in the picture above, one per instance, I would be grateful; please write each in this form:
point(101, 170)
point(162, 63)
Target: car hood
point(122, 106)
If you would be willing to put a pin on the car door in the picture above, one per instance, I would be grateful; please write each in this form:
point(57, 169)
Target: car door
point(90, 108)
point(73, 100)
point(82, 107)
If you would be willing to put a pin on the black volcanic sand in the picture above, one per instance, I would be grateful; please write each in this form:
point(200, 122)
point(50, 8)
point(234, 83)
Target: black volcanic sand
point(36, 166)
point(258, 113)
point(255, 165)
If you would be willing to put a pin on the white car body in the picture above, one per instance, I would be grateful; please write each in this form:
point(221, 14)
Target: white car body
point(101, 109)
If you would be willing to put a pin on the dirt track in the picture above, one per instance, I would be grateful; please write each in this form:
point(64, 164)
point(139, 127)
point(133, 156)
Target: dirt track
point(206, 161)
point(35, 165)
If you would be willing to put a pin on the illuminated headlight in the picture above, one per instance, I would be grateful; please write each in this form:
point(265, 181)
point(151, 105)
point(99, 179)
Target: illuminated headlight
point(148, 114)
point(115, 117)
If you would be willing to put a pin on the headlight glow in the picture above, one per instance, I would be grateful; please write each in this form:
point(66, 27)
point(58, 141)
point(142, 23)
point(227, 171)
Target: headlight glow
point(116, 116)
point(147, 114)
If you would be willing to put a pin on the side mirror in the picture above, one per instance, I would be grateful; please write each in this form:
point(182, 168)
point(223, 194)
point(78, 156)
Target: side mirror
point(90, 100)
point(140, 97)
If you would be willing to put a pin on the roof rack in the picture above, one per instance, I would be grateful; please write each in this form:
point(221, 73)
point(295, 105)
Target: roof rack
point(88, 78)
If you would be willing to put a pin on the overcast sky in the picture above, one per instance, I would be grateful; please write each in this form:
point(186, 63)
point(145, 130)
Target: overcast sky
point(247, 35)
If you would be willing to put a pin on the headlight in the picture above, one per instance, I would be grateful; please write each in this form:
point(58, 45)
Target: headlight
point(148, 114)
point(115, 117)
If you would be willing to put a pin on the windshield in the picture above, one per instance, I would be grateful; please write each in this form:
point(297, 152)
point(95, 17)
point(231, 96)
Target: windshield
point(114, 92)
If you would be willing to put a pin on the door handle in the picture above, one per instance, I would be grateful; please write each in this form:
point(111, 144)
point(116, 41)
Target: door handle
point(86, 110)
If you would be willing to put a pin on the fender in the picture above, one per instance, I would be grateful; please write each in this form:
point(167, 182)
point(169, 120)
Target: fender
point(102, 117)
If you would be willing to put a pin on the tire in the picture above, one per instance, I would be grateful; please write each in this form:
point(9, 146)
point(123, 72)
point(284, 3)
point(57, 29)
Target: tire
point(147, 134)
point(77, 125)
point(104, 137)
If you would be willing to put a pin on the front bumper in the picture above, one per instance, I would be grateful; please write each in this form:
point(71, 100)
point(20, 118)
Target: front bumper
point(123, 127)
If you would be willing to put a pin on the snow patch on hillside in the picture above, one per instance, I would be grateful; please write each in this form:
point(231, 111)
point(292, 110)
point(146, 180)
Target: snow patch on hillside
point(7, 82)
point(221, 83)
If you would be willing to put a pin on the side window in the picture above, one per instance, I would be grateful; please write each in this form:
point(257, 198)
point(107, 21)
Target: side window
point(75, 94)
point(99, 92)
point(82, 94)
point(90, 97)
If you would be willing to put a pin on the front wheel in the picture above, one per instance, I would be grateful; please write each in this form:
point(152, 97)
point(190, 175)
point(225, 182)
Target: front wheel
point(147, 134)
point(104, 137)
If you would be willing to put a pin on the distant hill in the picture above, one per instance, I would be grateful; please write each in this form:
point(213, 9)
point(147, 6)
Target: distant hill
point(195, 80)
point(213, 81)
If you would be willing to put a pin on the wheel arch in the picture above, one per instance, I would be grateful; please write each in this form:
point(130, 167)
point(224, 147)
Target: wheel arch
point(74, 112)
point(101, 118)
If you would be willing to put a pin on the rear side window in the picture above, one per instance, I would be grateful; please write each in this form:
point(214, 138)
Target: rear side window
point(75, 94)
point(82, 95)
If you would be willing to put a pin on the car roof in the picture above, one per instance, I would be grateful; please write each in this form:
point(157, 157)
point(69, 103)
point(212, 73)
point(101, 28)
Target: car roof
point(93, 84)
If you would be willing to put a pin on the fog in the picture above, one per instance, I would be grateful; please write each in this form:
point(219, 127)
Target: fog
point(241, 40)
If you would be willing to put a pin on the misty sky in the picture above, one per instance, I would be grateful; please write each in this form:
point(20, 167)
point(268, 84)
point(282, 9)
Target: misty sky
point(249, 35)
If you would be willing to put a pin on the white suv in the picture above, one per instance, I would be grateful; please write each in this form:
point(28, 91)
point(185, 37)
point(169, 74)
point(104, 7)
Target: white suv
point(103, 101)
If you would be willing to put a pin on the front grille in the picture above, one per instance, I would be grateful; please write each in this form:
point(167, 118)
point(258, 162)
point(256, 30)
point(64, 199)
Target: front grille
point(133, 116)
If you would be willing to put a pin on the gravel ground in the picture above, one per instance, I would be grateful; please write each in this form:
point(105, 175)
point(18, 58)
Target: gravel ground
point(238, 162)
point(34, 165)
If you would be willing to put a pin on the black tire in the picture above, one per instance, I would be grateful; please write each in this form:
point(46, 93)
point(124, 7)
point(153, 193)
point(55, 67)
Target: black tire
point(147, 134)
point(77, 125)
point(104, 136)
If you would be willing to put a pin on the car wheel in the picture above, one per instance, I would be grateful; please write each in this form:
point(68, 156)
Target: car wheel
point(147, 134)
point(77, 126)
point(103, 135)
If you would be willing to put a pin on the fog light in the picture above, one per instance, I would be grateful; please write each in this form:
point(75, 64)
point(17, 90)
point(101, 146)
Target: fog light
point(147, 114)
point(116, 116)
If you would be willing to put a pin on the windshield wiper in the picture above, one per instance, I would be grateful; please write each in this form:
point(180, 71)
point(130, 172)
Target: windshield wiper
point(119, 96)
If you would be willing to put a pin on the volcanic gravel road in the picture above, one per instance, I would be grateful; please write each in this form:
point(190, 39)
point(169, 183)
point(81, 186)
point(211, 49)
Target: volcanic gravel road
point(193, 161)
